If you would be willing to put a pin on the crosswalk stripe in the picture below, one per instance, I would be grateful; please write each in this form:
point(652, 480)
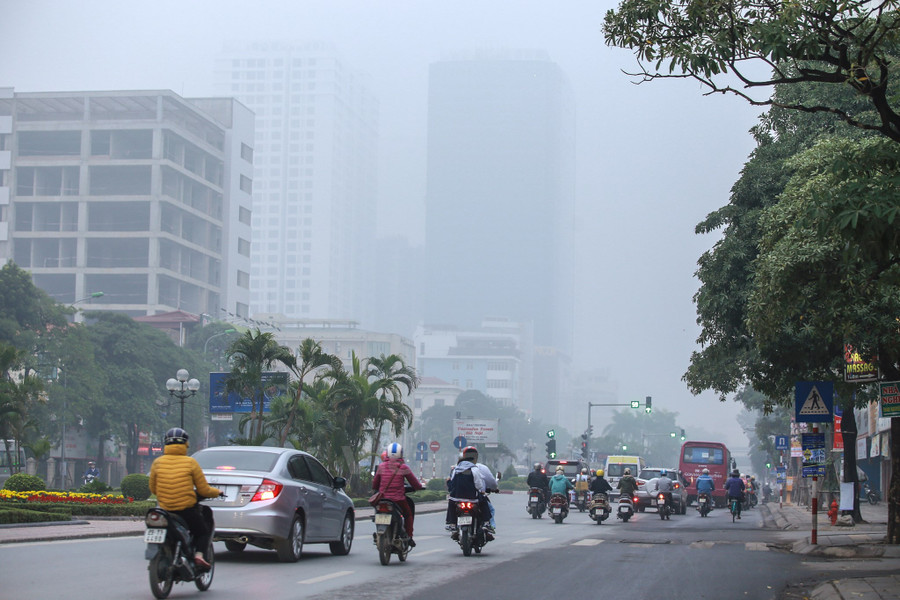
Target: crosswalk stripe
point(704, 545)
point(322, 578)
point(587, 542)
point(756, 546)
point(535, 540)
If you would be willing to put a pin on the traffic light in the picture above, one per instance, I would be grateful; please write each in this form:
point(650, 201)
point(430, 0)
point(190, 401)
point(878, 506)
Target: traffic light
point(672, 434)
point(584, 450)
point(682, 435)
point(551, 448)
point(590, 430)
point(648, 405)
point(624, 447)
point(768, 465)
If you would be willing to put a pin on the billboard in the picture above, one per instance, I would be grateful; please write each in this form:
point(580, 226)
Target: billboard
point(274, 384)
point(478, 431)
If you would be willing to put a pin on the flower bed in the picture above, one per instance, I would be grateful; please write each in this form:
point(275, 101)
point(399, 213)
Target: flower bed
point(76, 498)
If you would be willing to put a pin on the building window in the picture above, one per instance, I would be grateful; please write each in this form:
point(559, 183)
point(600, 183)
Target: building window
point(247, 153)
point(243, 247)
point(243, 279)
point(246, 184)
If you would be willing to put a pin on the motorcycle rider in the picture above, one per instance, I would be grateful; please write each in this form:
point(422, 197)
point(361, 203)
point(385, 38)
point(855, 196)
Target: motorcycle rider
point(177, 480)
point(91, 473)
point(466, 482)
point(582, 482)
point(705, 484)
point(627, 484)
point(539, 479)
point(560, 484)
point(600, 484)
point(389, 480)
point(665, 486)
point(734, 488)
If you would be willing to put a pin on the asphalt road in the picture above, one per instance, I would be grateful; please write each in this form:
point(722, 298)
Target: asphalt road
point(688, 557)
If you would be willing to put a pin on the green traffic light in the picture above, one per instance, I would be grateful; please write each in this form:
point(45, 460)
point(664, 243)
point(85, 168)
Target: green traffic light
point(671, 434)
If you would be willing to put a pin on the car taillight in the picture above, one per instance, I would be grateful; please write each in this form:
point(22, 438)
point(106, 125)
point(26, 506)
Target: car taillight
point(267, 490)
point(635, 499)
point(677, 486)
point(641, 481)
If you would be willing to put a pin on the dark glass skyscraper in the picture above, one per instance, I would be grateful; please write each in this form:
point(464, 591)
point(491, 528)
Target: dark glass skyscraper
point(500, 193)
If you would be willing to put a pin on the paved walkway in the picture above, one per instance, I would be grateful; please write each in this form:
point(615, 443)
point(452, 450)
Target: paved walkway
point(863, 540)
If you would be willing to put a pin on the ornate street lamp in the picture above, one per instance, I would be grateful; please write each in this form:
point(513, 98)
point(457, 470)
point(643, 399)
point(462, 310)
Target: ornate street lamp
point(182, 388)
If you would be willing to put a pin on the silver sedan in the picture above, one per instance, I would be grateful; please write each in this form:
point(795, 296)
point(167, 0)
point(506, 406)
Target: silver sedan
point(276, 499)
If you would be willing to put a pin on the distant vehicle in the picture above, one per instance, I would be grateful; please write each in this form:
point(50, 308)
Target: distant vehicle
point(616, 465)
point(696, 456)
point(647, 483)
point(276, 499)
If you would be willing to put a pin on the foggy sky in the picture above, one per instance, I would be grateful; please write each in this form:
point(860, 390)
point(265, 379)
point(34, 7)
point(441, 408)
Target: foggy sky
point(653, 159)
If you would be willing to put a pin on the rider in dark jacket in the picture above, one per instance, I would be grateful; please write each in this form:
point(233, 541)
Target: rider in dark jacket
point(600, 484)
point(734, 487)
point(539, 479)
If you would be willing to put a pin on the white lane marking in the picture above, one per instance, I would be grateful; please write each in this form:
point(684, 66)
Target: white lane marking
point(427, 552)
point(536, 540)
point(322, 578)
point(757, 546)
point(428, 537)
point(704, 545)
point(587, 542)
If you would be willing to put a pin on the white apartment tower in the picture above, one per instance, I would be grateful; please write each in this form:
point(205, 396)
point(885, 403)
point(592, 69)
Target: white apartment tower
point(314, 177)
point(141, 195)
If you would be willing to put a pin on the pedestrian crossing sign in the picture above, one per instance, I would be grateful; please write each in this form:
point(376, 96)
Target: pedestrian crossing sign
point(813, 401)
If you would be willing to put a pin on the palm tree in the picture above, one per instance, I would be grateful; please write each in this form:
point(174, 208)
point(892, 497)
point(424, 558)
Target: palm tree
point(250, 356)
point(311, 358)
point(17, 393)
point(391, 372)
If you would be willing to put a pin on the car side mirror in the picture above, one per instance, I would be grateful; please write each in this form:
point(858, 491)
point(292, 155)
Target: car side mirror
point(339, 483)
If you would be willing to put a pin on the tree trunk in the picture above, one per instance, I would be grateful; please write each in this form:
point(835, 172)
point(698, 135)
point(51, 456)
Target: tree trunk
point(893, 499)
point(848, 432)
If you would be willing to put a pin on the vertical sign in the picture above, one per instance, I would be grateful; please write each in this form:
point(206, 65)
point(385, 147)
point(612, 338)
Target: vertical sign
point(890, 398)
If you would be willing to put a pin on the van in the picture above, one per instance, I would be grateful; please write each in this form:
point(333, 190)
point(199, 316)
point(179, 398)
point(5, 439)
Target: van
point(616, 465)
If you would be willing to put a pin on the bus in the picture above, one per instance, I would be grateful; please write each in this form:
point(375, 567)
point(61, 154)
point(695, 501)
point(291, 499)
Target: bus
point(696, 456)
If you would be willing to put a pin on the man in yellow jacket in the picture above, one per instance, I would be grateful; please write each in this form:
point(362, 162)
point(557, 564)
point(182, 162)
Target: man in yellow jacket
point(177, 480)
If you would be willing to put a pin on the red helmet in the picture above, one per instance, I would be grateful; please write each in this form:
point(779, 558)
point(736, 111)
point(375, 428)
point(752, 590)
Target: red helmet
point(384, 456)
point(469, 453)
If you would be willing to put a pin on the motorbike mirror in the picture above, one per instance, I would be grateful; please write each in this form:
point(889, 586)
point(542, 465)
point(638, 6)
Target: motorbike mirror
point(499, 475)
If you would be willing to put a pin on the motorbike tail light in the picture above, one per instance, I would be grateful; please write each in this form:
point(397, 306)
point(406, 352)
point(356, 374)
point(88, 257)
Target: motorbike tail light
point(677, 486)
point(267, 490)
point(661, 496)
point(155, 519)
point(383, 507)
point(635, 499)
point(466, 505)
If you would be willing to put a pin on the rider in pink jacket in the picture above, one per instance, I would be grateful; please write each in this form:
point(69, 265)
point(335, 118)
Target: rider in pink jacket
point(389, 480)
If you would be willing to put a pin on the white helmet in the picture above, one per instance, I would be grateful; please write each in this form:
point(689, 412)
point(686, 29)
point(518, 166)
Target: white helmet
point(395, 450)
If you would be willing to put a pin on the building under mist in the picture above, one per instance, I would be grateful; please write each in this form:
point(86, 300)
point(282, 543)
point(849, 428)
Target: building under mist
point(141, 195)
point(315, 177)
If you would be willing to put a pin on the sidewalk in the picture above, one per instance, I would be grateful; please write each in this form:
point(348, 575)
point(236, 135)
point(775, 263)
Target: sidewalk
point(863, 540)
point(95, 527)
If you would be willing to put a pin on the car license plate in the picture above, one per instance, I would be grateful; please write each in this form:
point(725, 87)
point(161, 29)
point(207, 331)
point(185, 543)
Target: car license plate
point(230, 491)
point(464, 520)
point(383, 519)
point(155, 535)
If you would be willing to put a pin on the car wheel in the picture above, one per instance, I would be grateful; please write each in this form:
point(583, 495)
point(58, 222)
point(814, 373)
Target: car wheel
point(290, 549)
point(342, 546)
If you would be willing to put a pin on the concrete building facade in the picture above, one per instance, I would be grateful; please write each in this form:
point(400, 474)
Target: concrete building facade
point(314, 178)
point(141, 195)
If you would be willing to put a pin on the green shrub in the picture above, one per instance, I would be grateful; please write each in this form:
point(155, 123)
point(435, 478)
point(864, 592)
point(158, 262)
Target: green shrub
point(436, 484)
point(95, 487)
point(22, 482)
point(137, 486)
point(510, 472)
point(514, 483)
point(130, 509)
point(10, 516)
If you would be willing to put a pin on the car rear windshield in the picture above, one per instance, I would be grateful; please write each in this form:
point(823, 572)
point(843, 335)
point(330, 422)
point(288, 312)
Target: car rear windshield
point(236, 460)
point(570, 469)
point(618, 469)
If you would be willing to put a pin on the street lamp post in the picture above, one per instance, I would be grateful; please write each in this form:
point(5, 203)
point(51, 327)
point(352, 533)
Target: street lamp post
point(86, 298)
point(182, 388)
point(221, 333)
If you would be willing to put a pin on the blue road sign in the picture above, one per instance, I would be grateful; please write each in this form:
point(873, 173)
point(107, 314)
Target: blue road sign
point(422, 456)
point(421, 446)
point(781, 442)
point(813, 401)
point(459, 442)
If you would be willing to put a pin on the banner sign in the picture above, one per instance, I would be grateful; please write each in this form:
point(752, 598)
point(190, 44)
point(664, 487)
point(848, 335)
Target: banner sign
point(486, 431)
point(889, 391)
point(856, 370)
point(274, 384)
point(813, 445)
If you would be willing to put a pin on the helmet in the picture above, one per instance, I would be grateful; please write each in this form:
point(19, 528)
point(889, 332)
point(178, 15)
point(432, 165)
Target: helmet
point(663, 473)
point(599, 472)
point(752, 477)
point(735, 473)
point(469, 453)
point(90, 462)
point(395, 450)
point(706, 471)
point(559, 469)
point(538, 467)
point(176, 435)
point(627, 471)
point(384, 456)
point(584, 470)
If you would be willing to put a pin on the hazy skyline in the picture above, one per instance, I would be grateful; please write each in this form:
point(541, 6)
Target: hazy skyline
point(652, 160)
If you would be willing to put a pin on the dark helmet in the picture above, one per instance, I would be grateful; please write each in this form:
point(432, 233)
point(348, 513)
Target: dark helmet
point(735, 473)
point(176, 435)
point(469, 453)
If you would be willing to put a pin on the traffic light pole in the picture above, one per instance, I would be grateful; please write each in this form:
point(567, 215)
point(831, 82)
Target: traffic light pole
point(593, 404)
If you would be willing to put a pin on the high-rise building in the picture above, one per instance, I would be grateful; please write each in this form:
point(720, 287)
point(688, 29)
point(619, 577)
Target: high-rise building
point(136, 200)
point(500, 193)
point(314, 180)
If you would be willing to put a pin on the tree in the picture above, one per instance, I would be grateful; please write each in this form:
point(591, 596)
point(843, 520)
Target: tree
point(738, 46)
point(19, 391)
point(390, 373)
point(251, 355)
point(311, 358)
point(26, 311)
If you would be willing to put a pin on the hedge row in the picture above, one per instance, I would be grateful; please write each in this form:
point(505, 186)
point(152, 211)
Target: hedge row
point(9, 516)
point(420, 496)
point(132, 509)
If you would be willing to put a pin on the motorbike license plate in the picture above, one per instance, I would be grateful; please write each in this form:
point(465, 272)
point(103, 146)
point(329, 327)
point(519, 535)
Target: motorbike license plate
point(534, 498)
point(155, 535)
point(624, 509)
point(464, 520)
point(702, 500)
point(554, 510)
point(383, 519)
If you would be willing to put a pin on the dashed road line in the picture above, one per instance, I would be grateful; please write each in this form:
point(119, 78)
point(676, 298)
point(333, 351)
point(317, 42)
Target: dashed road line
point(532, 541)
point(587, 542)
point(322, 578)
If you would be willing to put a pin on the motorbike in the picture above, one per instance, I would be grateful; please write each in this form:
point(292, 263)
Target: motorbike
point(390, 532)
point(170, 551)
point(662, 506)
point(871, 495)
point(88, 478)
point(559, 507)
point(582, 500)
point(625, 508)
point(469, 527)
point(599, 508)
point(749, 499)
point(704, 504)
point(536, 503)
